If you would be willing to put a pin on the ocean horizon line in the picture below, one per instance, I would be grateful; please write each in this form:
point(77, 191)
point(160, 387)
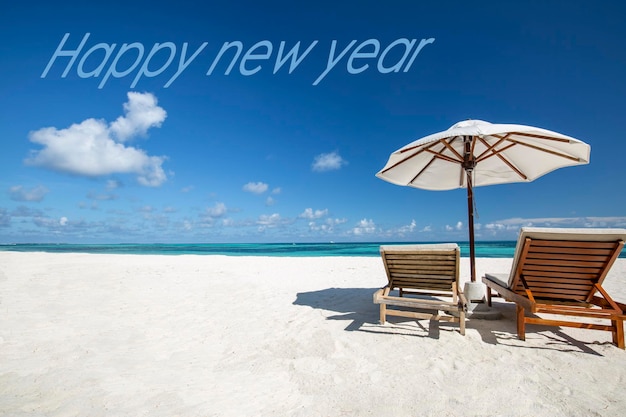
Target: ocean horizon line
point(483, 249)
point(489, 249)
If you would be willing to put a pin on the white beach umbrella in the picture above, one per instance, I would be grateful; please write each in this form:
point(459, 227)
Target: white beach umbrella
point(474, 153)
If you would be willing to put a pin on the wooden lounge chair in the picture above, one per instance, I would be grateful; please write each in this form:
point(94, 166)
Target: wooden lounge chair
point(426, 278)
point(560, 272)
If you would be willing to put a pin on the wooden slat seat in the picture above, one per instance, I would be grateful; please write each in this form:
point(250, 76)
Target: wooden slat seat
point(426, 279)
point(560, 271)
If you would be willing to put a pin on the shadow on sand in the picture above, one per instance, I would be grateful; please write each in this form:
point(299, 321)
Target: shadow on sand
point(356, 306)
point(353, 304)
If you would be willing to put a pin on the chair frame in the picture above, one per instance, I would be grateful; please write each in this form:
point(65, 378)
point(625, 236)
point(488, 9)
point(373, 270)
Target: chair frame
point(417, 272)
point(562, 277)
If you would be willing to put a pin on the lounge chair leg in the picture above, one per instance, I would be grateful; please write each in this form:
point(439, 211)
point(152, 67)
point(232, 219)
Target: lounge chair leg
point(521, 324)
point(462, 323)
point(618, 333)
point(383, 313)
point(489, 296)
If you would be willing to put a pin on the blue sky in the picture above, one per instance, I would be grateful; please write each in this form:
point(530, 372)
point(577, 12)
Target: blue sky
point(151, 135)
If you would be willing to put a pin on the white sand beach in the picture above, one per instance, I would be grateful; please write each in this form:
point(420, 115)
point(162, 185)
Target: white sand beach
point(143, 335)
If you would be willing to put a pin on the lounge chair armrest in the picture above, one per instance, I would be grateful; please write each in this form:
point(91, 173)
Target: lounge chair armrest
point(462, 300)
point(508, 294)
point(500, 279)
point(378, 295)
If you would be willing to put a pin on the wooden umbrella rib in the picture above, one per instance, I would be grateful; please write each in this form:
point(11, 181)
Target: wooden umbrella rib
point(534, 135)
point(423, 149)
point(422, 170)
point(490, 149)
point(551, 152)
point(494, 152)
point(513, 167)
point(448, 145)
point(438, 155)
point(503, 159)
point(404, 150)
point(444, 157)
point(463, 175)
point(403, 160)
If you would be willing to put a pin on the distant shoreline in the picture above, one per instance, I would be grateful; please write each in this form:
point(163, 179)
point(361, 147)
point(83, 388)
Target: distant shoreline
point(494, 249)
point(486, 249)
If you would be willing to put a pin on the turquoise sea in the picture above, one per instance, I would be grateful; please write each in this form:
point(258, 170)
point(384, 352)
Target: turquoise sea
point(483, 249)
point(491, 249)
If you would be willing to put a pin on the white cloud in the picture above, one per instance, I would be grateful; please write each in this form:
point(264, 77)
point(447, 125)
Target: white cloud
point(255, 187)
point(408, 228)
point(605, 221)
point(267, 221)
point(458, 226)
point(269, 201)
point(328, 162)
point(364, 227)
point(63, 221)
point(88, 148)
point(518, 222)
point(142, 113)
point(218, 210)
point(328, 226)
point(19, 193)
point(45, 222)
point(308, 213)
point(495, 227)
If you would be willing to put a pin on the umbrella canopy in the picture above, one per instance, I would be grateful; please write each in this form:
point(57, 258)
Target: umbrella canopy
point(475, 153)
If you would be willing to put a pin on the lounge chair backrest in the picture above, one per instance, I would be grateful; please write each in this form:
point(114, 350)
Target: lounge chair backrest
point(432, 267)
point(562, 263)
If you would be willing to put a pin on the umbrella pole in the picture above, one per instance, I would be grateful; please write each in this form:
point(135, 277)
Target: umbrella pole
point(473, 290)
point(470, 225)
point(469, 163)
